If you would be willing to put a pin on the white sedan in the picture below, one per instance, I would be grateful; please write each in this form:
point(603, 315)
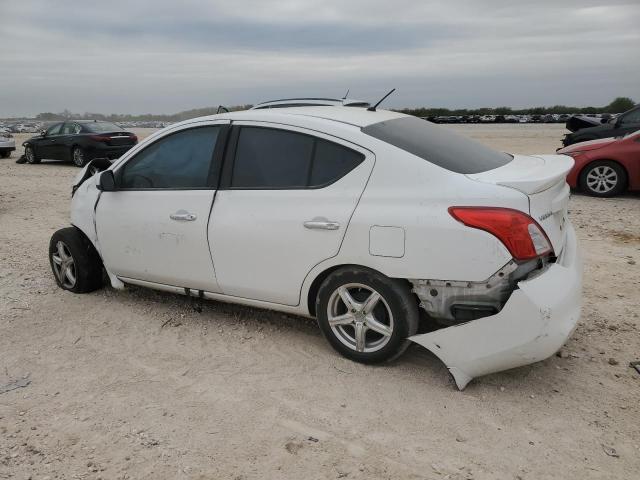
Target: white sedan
point(7, 144)
point(386, 228)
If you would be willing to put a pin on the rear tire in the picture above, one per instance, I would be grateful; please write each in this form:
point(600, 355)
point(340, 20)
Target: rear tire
point(78, 157)
point(603, 179)
point(30, 155)
point(75, 264)
point(366, 316)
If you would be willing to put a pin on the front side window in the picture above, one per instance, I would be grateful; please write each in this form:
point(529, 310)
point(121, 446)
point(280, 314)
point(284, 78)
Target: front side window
point(178, 161)
point(54, 129)
point(438, 145)
point(631, 117)
point(268, 158)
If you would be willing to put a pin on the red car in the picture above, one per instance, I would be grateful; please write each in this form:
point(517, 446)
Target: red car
point(607, 166)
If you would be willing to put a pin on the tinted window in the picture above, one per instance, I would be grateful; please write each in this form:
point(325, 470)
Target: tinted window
point(102, 127)
point(55, 129)
point(438, 145)
point(331, 162)
point(180, 160)
point(631, 117)
point(269, 158)
point(70, 129)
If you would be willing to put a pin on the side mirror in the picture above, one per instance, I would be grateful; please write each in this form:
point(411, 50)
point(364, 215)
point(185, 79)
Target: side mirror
point(107, 182)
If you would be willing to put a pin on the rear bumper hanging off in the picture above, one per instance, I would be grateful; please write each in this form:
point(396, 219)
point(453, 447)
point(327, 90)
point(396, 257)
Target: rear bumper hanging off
point(535, 322)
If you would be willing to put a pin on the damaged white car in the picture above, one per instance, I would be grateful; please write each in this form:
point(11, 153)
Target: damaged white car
point(386, 228)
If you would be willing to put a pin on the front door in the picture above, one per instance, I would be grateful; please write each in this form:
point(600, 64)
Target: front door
point(284, 206)
point(154, 226)
point(47, 145)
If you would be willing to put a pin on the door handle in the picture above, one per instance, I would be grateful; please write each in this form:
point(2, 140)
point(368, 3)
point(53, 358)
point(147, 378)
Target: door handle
point(183, 216)
point(321, 224)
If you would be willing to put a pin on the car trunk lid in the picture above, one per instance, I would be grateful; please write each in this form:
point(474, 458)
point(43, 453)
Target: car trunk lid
point(543, 179)
point(121, 138)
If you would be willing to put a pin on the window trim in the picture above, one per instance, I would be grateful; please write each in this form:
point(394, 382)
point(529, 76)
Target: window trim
point(215, 163)
point(230, 157)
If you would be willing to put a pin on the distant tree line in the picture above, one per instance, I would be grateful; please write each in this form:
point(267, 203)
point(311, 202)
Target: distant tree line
point(147, 117)
point(619, 105)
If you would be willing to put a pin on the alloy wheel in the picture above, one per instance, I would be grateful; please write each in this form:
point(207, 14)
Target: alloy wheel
point(602, 179)
point(63, 265)
point(78, 157)
point(28, 153)
point(360, 317)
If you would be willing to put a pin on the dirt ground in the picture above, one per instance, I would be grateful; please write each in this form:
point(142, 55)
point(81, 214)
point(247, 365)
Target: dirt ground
point(138, 385)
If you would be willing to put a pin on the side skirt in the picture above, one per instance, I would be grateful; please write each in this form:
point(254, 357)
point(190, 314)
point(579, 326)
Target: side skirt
point(296, 310)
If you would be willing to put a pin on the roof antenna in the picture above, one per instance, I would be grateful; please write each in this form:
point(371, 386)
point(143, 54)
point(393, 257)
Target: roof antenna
point(346, 94)
point(373, 109)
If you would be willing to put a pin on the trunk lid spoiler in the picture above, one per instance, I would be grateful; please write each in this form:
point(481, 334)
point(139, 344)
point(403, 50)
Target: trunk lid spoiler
point(528, 174)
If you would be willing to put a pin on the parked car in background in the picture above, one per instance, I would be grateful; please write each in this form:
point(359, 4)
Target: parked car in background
point(7, 143)
point(607, 166)
point(617, 126)
point(358, 218)
point(79, 141)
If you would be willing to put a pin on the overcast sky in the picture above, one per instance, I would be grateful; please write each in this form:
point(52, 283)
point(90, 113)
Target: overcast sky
point(154, 56)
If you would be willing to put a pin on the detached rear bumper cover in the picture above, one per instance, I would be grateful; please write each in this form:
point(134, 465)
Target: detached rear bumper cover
point(535, 322)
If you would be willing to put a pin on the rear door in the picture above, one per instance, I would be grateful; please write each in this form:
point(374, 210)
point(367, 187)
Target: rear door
point(62, 147)
point(154, 226)
point(284, 207)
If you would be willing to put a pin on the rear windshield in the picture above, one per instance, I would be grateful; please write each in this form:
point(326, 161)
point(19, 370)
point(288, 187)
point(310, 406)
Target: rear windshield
point(438, 145)
point(102, 127)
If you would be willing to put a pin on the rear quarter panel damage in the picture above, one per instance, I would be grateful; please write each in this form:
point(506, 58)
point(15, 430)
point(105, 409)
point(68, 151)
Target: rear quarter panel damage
point(534, 323)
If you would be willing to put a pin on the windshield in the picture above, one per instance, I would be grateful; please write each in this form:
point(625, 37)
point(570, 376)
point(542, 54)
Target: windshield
point(102, 127)
point(438, 145)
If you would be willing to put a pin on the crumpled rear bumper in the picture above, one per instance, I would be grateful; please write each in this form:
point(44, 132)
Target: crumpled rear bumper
point(535, 322)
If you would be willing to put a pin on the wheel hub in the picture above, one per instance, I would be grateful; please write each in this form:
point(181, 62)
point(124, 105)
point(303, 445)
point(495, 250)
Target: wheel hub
point(360, 318)
point(63, 265)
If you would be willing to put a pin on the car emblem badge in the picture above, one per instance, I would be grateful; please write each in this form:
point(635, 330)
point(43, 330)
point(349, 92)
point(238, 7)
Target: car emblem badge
point(544, 216)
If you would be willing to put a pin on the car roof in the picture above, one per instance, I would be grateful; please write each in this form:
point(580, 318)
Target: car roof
point(310, 101)
point(357, 117)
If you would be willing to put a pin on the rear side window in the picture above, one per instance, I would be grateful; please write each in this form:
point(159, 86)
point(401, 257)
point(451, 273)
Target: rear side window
point(268, 158)
point(438, 145)
point(332, 161)
point(178, 161)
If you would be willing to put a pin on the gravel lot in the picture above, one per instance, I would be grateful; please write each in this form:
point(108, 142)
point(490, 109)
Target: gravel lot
point(138, 385)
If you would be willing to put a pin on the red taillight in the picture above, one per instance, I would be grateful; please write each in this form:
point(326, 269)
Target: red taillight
point(520, 233)
point(100, 138)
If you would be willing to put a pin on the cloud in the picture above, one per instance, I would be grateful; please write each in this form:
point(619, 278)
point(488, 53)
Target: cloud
point(149, 56)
